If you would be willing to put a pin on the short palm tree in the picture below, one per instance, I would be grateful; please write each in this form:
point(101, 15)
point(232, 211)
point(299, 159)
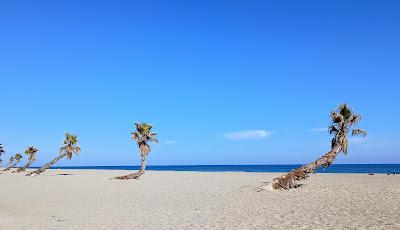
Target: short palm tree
point(343, 122)
point(1, 153)
point(10, 161)
point(17, 159)
point(68, 149)
point(143, 135)
point(31, 152)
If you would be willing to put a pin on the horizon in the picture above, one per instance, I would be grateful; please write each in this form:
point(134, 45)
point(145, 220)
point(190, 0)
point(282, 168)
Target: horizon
point(223, 83)
point(150, 165)
point(335, 168)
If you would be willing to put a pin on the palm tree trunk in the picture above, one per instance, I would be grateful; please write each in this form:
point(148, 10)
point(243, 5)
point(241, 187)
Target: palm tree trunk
point(137, 174)
point(23, 168)
point(11, 166)
point(48, 165)
point(289, 180)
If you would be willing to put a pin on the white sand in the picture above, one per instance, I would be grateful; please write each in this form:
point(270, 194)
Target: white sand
point(191, 200)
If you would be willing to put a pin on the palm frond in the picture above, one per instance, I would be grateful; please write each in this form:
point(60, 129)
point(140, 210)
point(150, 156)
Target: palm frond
point(336, 117)
point(30, 151)
point(332, 129)
point(343, 119)
point(355, 119)
point(345, 111)
point(333, 143)
point(135, 136)
point(359, 132)
point(11, 159)
point(18, 157)
point(142, 135)
point(63, 149)
point(152, 137)
point(70, 147)
point(77, 149)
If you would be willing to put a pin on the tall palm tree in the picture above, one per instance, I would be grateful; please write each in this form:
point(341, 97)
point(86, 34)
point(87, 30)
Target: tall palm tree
point(343, 122)
point(17, 159)
point(31, 152)
point(68, 149)
point(1, 153)
point(143, 135)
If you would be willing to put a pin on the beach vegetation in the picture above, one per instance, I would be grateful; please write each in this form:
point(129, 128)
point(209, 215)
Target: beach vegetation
point(68, 149)
point(143, 135)
point(31, 153)
point(343, 123)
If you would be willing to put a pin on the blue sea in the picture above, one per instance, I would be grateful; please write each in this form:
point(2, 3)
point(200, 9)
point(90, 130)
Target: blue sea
point(337, 168)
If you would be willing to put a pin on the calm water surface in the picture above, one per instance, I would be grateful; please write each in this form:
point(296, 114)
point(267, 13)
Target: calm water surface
point(339, 168)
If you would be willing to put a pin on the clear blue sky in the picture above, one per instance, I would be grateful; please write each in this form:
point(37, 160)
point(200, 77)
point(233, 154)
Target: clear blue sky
point(198, 71)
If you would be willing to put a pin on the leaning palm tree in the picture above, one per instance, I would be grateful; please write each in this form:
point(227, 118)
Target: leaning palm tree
point(1, 153)
point(31, 152)
point(17, 159)
point(143, 135)
point(10, 161)
point(343, 122)
point(68, 149)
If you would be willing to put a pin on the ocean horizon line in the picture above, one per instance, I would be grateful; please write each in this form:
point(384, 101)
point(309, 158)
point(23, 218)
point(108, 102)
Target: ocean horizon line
point(166, 165)
point(337, 168)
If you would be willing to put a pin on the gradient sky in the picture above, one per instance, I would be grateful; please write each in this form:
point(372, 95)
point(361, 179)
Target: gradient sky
point(223, 82)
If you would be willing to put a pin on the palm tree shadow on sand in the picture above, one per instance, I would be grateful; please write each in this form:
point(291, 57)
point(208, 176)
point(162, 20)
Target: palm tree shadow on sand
point(58, 174)
point(65, 174)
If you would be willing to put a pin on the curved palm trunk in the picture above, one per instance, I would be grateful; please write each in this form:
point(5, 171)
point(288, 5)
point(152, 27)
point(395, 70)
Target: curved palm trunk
point(11, 166)
point(289, 180)
point(48, 165)
point(23, 168)
point(137, 174)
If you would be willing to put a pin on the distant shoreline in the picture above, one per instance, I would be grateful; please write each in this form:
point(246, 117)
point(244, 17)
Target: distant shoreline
point(338, 168)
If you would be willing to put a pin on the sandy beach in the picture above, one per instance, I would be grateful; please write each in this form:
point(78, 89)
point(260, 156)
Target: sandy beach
point(87, 199)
